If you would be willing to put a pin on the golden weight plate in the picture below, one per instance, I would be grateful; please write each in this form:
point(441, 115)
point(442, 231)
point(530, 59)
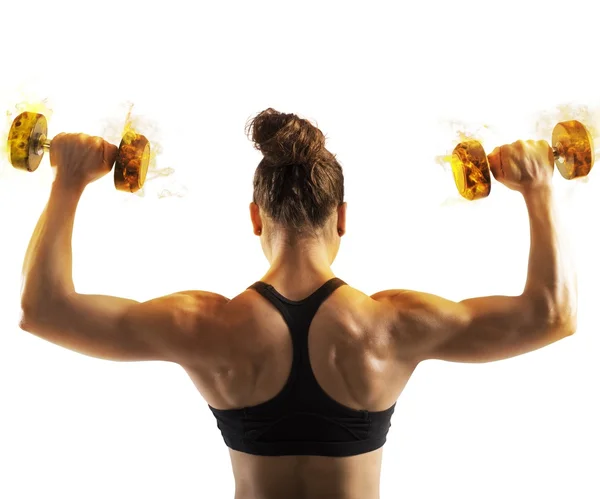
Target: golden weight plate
point(132, 163)
point(471, 170)
point(25, 139)
point(575, 149)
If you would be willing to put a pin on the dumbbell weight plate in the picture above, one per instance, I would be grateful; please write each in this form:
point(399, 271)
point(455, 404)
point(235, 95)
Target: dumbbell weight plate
point(24, 141)
point(575, 149)
point(132, 162)
point(471, 170)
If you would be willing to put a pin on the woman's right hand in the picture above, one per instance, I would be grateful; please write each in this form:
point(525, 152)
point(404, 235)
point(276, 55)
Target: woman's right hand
point(523, 165)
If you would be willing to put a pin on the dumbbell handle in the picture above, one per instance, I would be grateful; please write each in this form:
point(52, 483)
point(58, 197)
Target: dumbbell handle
point(45, 143)
point(556, 152)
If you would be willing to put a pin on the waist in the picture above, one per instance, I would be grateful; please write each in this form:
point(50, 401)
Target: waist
point(312, 477)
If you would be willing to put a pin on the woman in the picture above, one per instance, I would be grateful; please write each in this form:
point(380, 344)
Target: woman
point(301, 371)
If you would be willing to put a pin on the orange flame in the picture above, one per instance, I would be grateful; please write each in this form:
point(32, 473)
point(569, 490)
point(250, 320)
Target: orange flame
point(133, 126)
point(462, 133)
point(471, 170)
point(467, 162)
point(590, 117)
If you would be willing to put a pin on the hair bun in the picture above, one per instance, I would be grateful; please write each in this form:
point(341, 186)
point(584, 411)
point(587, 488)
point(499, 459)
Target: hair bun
point(286, 139)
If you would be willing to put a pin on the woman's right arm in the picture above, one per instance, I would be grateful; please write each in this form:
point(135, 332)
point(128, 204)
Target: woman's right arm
point(492, 328)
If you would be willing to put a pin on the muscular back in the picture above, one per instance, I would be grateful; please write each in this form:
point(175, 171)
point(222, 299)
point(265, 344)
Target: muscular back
point(353, 357)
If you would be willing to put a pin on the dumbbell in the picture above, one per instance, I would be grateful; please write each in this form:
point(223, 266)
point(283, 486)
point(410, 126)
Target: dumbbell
point(572, 146)
point(28, 140)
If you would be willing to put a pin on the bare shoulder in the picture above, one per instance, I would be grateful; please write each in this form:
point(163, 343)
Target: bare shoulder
point(228, 326)
point(419, 321)
point(402, 306)
point(406, 305)
point(194, 309)
point(356, 310)
point(371, 319)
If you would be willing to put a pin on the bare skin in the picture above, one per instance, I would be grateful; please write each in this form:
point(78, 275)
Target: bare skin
point(238, 352)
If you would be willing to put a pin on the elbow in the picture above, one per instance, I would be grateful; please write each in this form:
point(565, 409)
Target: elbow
point(558, 318)
point(34, 314)
point(563, 315)
point(27, 320)
point(25, 324)
point(562, 323)
point(565, 325)
point(30, 305)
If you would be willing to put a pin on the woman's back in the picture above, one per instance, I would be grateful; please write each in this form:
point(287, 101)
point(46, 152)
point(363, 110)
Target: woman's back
point(352, 356)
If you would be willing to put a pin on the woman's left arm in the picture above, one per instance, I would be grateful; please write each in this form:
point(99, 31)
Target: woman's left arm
point(169, 328)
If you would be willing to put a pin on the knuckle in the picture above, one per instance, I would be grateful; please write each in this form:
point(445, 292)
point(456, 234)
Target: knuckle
point(80, 138)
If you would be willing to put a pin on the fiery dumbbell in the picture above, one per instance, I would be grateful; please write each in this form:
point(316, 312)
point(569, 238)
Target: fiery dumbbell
point(28, 140)
point(572, 146)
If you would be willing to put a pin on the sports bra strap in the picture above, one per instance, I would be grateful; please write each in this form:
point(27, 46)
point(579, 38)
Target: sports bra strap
point(317, 297)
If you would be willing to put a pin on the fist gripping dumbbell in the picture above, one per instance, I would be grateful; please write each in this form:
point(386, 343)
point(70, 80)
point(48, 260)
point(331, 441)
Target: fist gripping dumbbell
point(572, 146)
point(28, 140)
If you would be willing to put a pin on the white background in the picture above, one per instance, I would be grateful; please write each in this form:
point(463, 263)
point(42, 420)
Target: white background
point(384, 81)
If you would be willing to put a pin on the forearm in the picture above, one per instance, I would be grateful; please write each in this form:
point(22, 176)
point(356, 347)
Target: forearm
point(551, 279)
point(47, 268)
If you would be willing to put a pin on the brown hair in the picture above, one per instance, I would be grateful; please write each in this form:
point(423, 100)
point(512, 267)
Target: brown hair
point(299, 182)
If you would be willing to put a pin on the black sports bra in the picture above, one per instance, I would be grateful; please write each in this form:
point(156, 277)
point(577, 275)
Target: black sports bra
point(302, 419)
